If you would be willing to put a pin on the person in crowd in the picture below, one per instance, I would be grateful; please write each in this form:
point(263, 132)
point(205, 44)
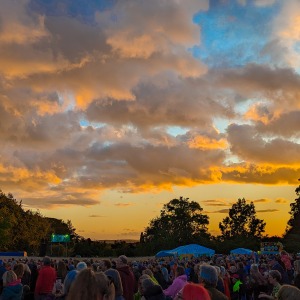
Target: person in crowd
point(87, 287)
point(275, 265)
point(296, 281)
point(274, 280)
point(105, 265)
point(138, 294)
point(19, 270)
point(151, 290)
point(26, 278)
point(165, 273)
point(127, 277)
point(12, 287)
point(192, 291)
point(257, 282)
point(226, 281)
point(106, 287)
point(209, 278)
point(71, 276)
point(61, 270)
point(287, 261)
point(150, 273)
point(220, 284)
point(114, 276)
point(288, 292)
point(158, 275)
point(178, 283)
point(45, 281)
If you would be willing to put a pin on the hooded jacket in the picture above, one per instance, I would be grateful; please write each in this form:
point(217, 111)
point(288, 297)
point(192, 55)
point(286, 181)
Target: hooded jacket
point(178, 283)
point(154, 293)
point(13, 291)
point(128, 282)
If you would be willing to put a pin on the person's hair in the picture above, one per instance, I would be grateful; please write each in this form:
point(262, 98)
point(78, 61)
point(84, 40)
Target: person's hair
point(81, 266)
point(288, 292)
point(85, 286)
point(105, 287)
point(107, 263)
point(115, 277)
point(180, 270)
point(275, 274)
point(123, 259)
point(19, 269)
point(47, 261)
point(8, 277)
point(148, 272)
point(61, 269)
point(192, 291)
point(147, 284)
point(208, 274)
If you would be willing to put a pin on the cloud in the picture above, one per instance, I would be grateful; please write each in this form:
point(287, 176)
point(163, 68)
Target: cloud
point(221, 211)
point(215, 203)
point(96, 216)
point(123, 204)
point(267, 210)
point(261, 200)
point(281, 201)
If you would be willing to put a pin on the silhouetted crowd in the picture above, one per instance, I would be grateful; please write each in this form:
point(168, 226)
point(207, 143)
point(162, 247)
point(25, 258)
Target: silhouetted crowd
point(220, 277)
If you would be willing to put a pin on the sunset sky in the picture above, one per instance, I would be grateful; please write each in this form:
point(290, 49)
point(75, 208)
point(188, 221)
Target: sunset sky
point(110, 109)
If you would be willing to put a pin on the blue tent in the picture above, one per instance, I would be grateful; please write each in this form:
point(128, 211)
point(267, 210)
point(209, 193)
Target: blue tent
point(193, 249)
point(241, 251)
point(165, 253)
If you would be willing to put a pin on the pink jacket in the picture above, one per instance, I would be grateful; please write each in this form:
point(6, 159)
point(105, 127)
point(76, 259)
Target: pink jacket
point(178, 283)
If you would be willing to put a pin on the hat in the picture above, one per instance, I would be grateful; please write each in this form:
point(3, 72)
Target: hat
point(208, 274)
point(81, 266)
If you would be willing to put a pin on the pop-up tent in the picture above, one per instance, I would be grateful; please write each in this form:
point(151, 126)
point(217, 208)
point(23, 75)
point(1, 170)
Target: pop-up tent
point(241, 251)
point(194, 249)
point(165, 253)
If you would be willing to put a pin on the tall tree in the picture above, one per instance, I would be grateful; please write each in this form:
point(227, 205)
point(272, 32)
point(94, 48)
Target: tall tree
point(181, 221)
point(242, 222)
point(291, 239)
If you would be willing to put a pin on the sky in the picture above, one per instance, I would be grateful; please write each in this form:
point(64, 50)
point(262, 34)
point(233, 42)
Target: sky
point(110, 109)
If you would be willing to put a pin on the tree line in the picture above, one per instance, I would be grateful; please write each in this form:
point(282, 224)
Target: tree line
point(181, 221)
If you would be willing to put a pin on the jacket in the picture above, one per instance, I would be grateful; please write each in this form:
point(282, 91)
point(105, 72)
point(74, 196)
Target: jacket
point(178, 283)
point(13, 291)
point(128, 282)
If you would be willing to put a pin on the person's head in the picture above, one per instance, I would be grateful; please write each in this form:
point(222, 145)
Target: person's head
point(288, 292)
point(193, 291)
point(19, 270)
point(208, 275)
point(105, 264)
point(85, 286)
point(180, 271)
point(146, 285)
point(81, 266)
point(46, 261)
point(142, 277)
point(121, 261)
point(9, 277)
point(274, 277)
point(148, 272)
point(254, 268)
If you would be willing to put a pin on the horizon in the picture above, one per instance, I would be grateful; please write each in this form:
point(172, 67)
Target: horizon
point(110, 109)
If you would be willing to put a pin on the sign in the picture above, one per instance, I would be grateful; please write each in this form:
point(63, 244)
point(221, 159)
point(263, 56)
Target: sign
point(60, 238)
point(271, 247)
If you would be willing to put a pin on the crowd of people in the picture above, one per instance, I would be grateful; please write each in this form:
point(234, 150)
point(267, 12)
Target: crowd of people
point(220, 277)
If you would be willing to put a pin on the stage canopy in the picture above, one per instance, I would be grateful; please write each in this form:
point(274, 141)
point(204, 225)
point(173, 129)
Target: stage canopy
point(192, 249)
point(241, 251)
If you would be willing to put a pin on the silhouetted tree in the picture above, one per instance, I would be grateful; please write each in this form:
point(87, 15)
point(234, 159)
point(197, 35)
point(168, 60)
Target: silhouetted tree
point(242, 222)
point(291, 239)
point(180, 222)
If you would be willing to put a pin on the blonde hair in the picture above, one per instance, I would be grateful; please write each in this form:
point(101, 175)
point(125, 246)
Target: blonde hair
point(288, 292)
point(8, 277)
